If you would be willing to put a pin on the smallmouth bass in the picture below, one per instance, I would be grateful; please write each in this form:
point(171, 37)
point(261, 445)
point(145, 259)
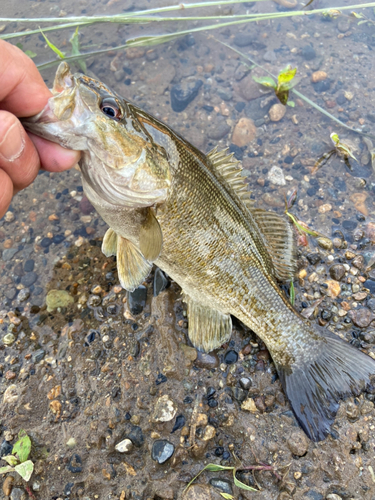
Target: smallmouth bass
point(189, 213)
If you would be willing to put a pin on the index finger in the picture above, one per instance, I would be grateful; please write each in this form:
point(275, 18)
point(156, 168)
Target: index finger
point(19, 77)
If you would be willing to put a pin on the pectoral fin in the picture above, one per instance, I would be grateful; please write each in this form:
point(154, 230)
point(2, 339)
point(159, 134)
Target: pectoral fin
point(208, 328)
point(150, 237)
point(132, 267)
point(109, 245)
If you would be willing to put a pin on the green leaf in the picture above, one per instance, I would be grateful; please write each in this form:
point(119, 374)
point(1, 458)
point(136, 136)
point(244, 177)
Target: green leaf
point(301, 228)
point(53, 47)
point(241, 485)
point(226, 495)
point(266, 81)
point(292, 292)
point(7, 468)
point(19, 45)
point(22, 447)
point(291, 104)
point(30, 53)
point(286, 75)
point(74, 40)
point(11, 460)
point(25, 469)
point(289, 85)
point(335, 138)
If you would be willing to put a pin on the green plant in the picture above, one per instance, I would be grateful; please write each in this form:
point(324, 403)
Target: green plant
point(285, 81)
point(18, 460)
point(341, 149)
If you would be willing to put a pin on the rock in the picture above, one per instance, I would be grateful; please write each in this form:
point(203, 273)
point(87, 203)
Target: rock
point(9, 216)
point(333, 496)
point(249, 405)
point(8, 485)
point(58, 298)
point(9, 339)
point(137, 300)
point(244, 132)
point(136, 436)
point(18, 494)
point(308, 52)
point(270, 56)
point(183, 94)
point(359, 200)
point(190, 353)
point(370, 231)
point(198, 492)
point(29, 279)
point(231, 357)
point(209, 433)
point(249, 89)
point(276, 176)
point(313, 495)
point(163, 492)
point(10, 396)
point(5, 448)
point(165, 409)
point(243, 39)
point(224, 94)
point(124, 446)
point(85, 206)
point(277, 112)
point(24, 294)
point(322, 86)
point(334, 288)
point(318, 76)
point(218, 131)
point(208, 361)
point(179, 423)
point(337, 272)
point(245, 383)
point(298, 443)
point(10, 293)
point(29, 265)
point(324, 243)
point(162, 450)
point(361, 317)
point(75, 464)
point(222, 485)
point(273, 200)
point(9, 253)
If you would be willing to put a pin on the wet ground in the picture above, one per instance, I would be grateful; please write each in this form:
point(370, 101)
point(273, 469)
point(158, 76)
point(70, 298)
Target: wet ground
point(105, 383)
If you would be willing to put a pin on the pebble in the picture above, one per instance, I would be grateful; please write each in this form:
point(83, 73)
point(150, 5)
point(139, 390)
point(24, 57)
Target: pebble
point(136, 436)
point(318, 76)
point(58, 298)
point(137, 300)
point(244, 132)
point(9, 253)
point(38, 355)
point(243, 39)
point(9, 339)
point(245, 383)
point(324, 208)
point(208, 361)
point(183, 94)
point(85, 206)
point(324, 243)
point(308, 52)
point(179, 423)
point(160, 282)
point(337, 272)
point(75, 464)
point(333, 289)
point(29, 279)
point(18, 494)
point(10, 396)
point(298, 443)
point(249, 405)
point(359, 296)
point(277, 112)
point(222, 485)
point(218, 131)
point(9, 216)
point(231, 357)
point(8, 485)
point(5, 448)
point(361, 317)
point(24, 294)
point(165, 409)
point(276, 176)
point(209, 433)
point(250, 90)
point(199, 492)
point(124, 446)
point(94, 301)
point(162, 450)
point(322, 86)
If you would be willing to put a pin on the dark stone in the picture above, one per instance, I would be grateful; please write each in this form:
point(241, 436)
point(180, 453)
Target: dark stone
point(162, 450)
point(313, 258)
point(230, 357)
point(211, 391)
point(9, 253)
point(137, 300)
point(312, 191)
point(68, 489)
point(221, 485)
point(337, 272)
point(325, 314)
point(370, 284)
point(219, 451)
point(239, 394)
point(308, 52)
point(188, 400)
point(38, 355)
point(85, 206)
point(255, 111)
point(29, 266)
point(160, 282)
point(322, 86)
point(245, 383)
point(10, 293)
point(243, 39)
point(212, 403)
point(18, 270)
point(218, 131)
point(5, 448)
point(58, 238)
point(29, 279)
point(313, 495)
point(238, 153)
point(183, 94)
point(161, 378)
point(349, 225)
point(179, 423)
point(240, 106)
point(341, 99)
point(136, 436)
point(46, 242)
point(75, 464)
point(208, 361)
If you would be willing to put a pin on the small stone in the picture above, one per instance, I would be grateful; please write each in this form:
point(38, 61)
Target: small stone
point(359, 296)
point(137, 300)
point(361, 317)
point(165, 409)
point(9, 375)
point(9, 217)
point(249, 405)
point(230, 357)
point(308, 52)
point(29, 279)
point(222, 485)
point(334, 288)
point(71, 443)
point(333, 496)
point(9, 339)
point(183, 94)
point(249, 89)
point(94, 301)
point(58, 298)
point(24, 294)
point(18, 494)
point(324, 243)
point(276, 176)
point(85, 206)
point(8, 485)
point(245, 383)
point(208, 361)
point(244, 132)
point(324, 208)
point(209, 433)
point(190, 353)
point(136, 436)
point(337, 272)
point(179, 424)
point(318, 76)
point(358, 261)
point(277, 112)
point(38, 355)
point(10, 395)
point(218, 130)
point(162, 450)
point(298, 443)
point(124, 446)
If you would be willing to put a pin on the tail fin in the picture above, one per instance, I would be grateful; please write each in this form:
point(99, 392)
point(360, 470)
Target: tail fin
point(315, 387)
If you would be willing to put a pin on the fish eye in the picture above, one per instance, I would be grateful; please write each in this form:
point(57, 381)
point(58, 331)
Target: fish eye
point(110, 108)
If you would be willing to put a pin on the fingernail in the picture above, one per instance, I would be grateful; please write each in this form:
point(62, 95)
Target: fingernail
point(11, 138)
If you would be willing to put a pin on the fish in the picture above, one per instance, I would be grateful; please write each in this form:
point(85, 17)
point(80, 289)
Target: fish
point(189, 213)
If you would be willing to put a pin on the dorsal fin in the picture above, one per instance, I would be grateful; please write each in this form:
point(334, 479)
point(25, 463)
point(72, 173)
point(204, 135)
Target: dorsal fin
point(228, 169)
point(280, 241)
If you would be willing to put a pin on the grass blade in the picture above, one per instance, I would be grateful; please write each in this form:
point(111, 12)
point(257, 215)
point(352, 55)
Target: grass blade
point(53, 47)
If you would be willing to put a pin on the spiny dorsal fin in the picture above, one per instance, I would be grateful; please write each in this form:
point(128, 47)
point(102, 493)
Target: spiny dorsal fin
point(150, 237)
point(228, 170)
point(208, 328)
point(132, 267)
point(280, 241)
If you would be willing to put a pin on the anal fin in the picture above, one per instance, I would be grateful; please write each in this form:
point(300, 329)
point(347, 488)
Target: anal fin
point(132, 267)
point(109, 245)
point(208, 328)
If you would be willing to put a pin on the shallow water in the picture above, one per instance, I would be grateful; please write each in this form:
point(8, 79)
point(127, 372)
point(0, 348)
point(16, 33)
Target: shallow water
point(51, 240)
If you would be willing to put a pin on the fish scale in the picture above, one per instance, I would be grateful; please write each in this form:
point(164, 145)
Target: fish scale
point(189, 213)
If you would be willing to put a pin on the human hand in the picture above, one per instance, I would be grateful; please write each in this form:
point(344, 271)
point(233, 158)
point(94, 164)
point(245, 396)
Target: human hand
point(23, 93)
